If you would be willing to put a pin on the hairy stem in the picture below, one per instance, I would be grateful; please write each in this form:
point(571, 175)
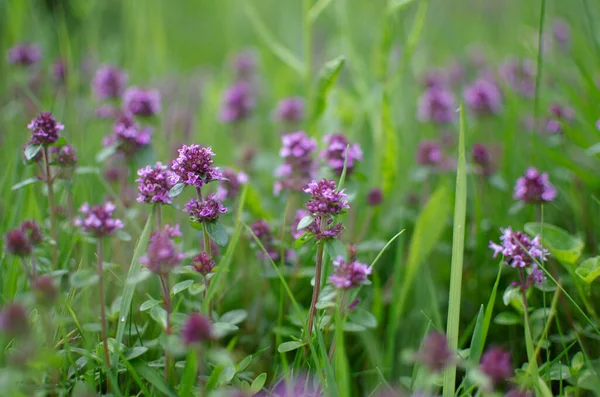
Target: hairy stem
point(51, 208)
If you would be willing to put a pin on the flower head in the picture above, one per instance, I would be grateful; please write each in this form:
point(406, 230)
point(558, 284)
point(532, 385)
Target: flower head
point(328, 231)
point(244, 64)
point(325, 199)
point(196, 328)
point(141, 102)
point(437, 105)
point(347, 275)
point(109, 82)
point(24, 54)
point(203, 263)
point(13, 320)
point(194, 166)
point(162, 255)
point(17, 243)
point(375, 197)
point(264, 234)
point(290, 110)
point(482, 158)
point(559, 115)
point(59, 70)
point(561, 32)
point(64, 155)
point(45, 290)
point(298, 168)
point(335, 154)
point(33, 231)
point(534, 187)
point(429, 153)
point(231, 183)
point(207, 210)
point(128, 136)
point(238, 103)
point(107, 111)
point(154, 184)
point(98, 219)
point(435, 353)
point(519, 75)
point(496, 363)
point(483, 97)
point(45, 130)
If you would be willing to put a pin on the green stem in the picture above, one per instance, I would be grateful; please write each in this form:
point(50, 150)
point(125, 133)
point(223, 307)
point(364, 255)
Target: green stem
point(307, 45)
point(51, 208)
point(103, 324)
point(317, 287)
point(167, 296)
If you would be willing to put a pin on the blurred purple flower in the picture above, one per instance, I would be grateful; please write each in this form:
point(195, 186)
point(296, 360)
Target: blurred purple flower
point(375, 197)
point(141, 102)
point(59, 71)
point(519, 75)
point(434, 78)
point(559, 115)
point(196, 328)
point(325, 199)
point(435, 353)
point(348, 274)
point(429, 153)
point(194, 166)
point(14, 321)
point(162, 255)
point(203, 263)
point(98, 219)
point(561, 32)
point(109, 82)
point(64, 155)
point(17, 243)
point(238, 103)
point(231, 183)
point(437, 105)
point(128, 137)
point(290, 110)
point(45, 290)
point(33, 231)
point(496, 363)
point(244, 65)
point(482, 159)
point(45, 130)
point(172, 231)
point(207, 210)
point(335, 153)
point(107, 111)
point(24, 54)
point(483, 98)
point(154, 184)
point(263, 233)
point(298, 167)
point(534, 187)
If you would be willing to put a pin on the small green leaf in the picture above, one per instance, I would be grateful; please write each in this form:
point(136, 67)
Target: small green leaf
point(234, 317)
point(290, 346)
point(138, 277)
point(363, 317)
point(217, 233)
point(227, 375)
point(32, 151)
point(335, 248)
point(589, 269)
point(221, 329)
point(149, 304)
point(507, 318)
point(84, 278)
point(559, 371)
point(327, 78)
point(105, 153)
point(258, 383)
point(305, 222)
point(135, 352)
point(305, 238)
point(181, 286)
point(154, 378)
point(562, 245)
point(123, 235)
point(87, 170)
point(26, 182)
point(159, 315)
point(577, 362)
point(176, 190)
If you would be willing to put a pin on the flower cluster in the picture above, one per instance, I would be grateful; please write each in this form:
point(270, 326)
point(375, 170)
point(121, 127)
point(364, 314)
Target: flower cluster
point(325, 199)
point(327, 232)
point(207, 210)
point(194, 166)
point(435, 353)
point(14, 320)
point(496, 364)
point(98, 219)
point(128, 136)
point(483, 97)
point(154, 184)
point(24, 54)
point(519, 75)
point(482, 159)
point(264, 234)
point(290, 110)
point(109, 82)
point(238, 103)
point(375, 197)
point(429, 153)
point(298, 167)
point(561, 31)
point(141, 102)
point(559, 115)
point(348, 274)
point(203, 263)
point(231, 183)
point(59, 71)
point(196, 328)
point(162, 255)
point(335, 153)
point(64, 155)
point(437, 105)
point(534, 187)
point(20, 241)
point(520, 251)
point(244, 65)
point(45, 130)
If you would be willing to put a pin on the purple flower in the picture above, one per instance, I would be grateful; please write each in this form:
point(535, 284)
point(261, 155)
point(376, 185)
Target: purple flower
point(437, 105)
point(64, 155)
point(496, 363)
point(290, 110)
point(45, 130)
point(14, 320)
point(207, 210)
point(482, 158)
point(231, 183)
point(107, 111)
point(483, 97)
point(244, 64)
point(263, 233)
point(434, 78)
point(172, 231)
point(519, 75)
point(129, 137)
point(141, 102)
point(162, 255)
point(238, 103)
point(298, 167)
point(347, 275)
point(429, 153)
point(196, 328)
point(435, 353)
point(329, 231)
point(98, 219)
point(336, 153)
point(194, 166)
point(17, 243)
point(520, 251)
point(59, 71)
point(154, 184)
point(559, 115)
point(24, 54)
point(33, 231)
point(298, 387)
point(374, 197)
point(325, 199)
point(45, 290)
point(203, 263)
point(109, 82)
point(561, 32)
point(534, 187)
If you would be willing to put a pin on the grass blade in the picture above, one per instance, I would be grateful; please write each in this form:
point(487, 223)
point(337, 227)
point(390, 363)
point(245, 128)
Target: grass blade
point(189, 374)
point(458, 248)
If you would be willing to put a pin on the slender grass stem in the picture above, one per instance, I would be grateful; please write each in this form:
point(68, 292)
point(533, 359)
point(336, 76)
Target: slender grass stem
point(51, 207)
point(103, 324)
point(317, 287)
point(164, 283)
